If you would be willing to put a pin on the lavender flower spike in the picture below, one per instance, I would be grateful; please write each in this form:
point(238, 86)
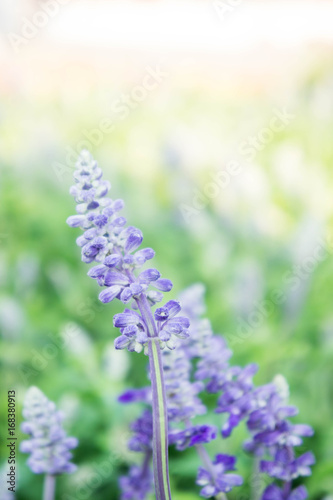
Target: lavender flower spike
point(274, 434)
point(48, 444)
point(115, 248)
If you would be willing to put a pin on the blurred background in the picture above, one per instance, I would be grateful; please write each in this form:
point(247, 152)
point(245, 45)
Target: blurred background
point(213, 120)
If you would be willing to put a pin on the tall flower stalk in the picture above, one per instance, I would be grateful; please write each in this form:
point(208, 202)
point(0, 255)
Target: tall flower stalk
point(274, 438)
point(215, 477)
point(108, 241)
point(48, 445)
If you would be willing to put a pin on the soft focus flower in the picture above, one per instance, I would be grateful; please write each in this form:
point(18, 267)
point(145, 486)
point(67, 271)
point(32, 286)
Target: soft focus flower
point(273, 434)
point(183, 402)
point(139, 481)
point(137, 484)
point(143, 433)
point(273, 492)
point(270, 426)
point(191, 436)
point(217, 481)
point(48, 444)
point(136, 395)
point(286, 467)
point(237, 396)
point(233, 384)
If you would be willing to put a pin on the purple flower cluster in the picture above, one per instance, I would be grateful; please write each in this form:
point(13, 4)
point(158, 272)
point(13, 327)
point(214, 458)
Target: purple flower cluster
point(274, 435)
point(216, 480)
point(191, 436)
point(137, 484)
point(48, 444)
point(212, 355)
point(107, 241)
point(233, 383)
point(142, 428)
point(114, 246)
point(134, 330)
point(183, 402)
point(236, 396)
point(264, 408)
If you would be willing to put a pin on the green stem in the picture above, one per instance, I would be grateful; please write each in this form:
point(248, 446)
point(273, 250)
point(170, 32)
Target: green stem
point(49, 487)
point(256, 484)
point(159, 407)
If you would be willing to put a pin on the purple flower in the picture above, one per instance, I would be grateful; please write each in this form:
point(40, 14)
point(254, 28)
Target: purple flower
point(210, 350)
point(193, 302)
point(137, 484)
point(109, 294)
point(273, 434)
point(115, 247)
point(237, 396)
point(234, 384)
point(169, 324)
point(105, 239)
point(183, 403)
point(216, 481)
point(134, 333)
point(269, 423)
point(192, 436)
point(136, 395)
point(141, 441)
point(286, 467)
point(48, 444)
point(273, 492)
point(182, 391)
point(149, 276)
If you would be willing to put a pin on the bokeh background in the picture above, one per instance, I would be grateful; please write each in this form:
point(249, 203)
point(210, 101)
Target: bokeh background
point(225, 70)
